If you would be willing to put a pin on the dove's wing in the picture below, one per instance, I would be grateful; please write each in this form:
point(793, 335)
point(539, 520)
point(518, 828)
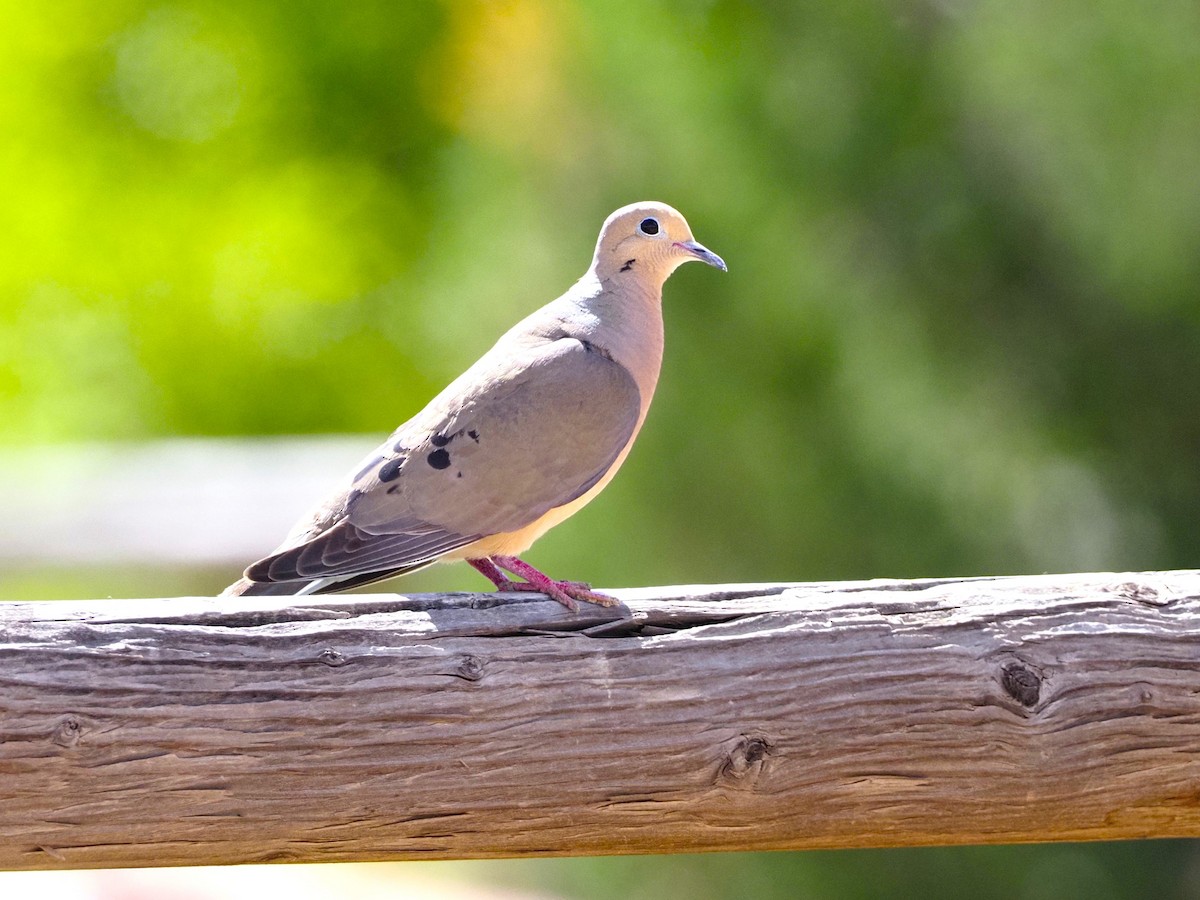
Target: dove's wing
point(511, 440)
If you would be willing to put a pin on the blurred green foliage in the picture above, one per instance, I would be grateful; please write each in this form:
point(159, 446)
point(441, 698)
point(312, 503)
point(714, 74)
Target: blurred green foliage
point(960, 334)
point(1164, 870)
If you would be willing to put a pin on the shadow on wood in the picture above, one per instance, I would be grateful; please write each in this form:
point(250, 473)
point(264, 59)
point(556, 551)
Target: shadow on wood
point(743, 717)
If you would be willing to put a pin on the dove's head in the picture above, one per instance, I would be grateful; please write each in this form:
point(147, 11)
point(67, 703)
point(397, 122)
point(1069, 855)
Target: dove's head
point(648, 241)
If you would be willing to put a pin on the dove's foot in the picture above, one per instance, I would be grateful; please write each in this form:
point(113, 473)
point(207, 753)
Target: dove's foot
point(565, 592)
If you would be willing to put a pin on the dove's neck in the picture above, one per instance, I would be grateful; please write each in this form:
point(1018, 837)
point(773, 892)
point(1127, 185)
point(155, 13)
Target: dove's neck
point(623, 321)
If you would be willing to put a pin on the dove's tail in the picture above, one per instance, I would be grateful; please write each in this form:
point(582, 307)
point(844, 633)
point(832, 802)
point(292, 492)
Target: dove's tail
point(244, 587)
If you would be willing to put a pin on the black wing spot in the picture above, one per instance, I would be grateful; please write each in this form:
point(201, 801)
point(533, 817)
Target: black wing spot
point(628, 265)
point(390, 470)
point(460, 474)
point(473, 435)
point(439, 459)
point(441, 440)
point(393, 489)
point(367, 468)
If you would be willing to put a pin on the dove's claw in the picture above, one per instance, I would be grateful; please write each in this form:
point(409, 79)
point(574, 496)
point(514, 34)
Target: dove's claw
point(565, 592)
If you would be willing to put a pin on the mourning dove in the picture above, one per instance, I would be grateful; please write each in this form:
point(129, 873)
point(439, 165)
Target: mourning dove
point(520, 441)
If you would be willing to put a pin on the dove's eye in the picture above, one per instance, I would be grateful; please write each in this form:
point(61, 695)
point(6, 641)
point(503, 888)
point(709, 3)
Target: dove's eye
point(648, 226)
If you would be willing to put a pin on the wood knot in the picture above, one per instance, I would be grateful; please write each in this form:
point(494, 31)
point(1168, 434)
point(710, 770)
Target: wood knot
point(331, 658)
point(470, 669)
point(68, 731)
point(746, 760)
point(1021, 683)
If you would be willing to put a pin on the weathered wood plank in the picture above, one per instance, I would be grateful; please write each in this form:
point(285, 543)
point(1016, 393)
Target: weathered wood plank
point(692, 718)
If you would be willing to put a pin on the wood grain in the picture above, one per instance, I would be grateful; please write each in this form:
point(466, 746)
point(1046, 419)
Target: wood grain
point(197, 731)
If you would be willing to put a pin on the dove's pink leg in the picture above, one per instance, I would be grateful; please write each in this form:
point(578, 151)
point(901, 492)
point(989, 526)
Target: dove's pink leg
point(565, 592)
point(488, 570)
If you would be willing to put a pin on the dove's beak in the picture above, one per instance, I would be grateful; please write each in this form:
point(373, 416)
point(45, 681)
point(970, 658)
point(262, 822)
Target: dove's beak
point(702, 253)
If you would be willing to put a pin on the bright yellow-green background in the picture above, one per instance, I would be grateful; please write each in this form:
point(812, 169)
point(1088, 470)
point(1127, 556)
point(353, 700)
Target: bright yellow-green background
point(960, 334)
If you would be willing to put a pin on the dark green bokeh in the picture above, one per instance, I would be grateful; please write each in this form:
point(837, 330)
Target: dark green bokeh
point(960, 334)
point(1164, 870)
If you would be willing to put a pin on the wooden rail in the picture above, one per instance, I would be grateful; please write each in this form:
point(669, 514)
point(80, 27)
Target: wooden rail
point(168, 732)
